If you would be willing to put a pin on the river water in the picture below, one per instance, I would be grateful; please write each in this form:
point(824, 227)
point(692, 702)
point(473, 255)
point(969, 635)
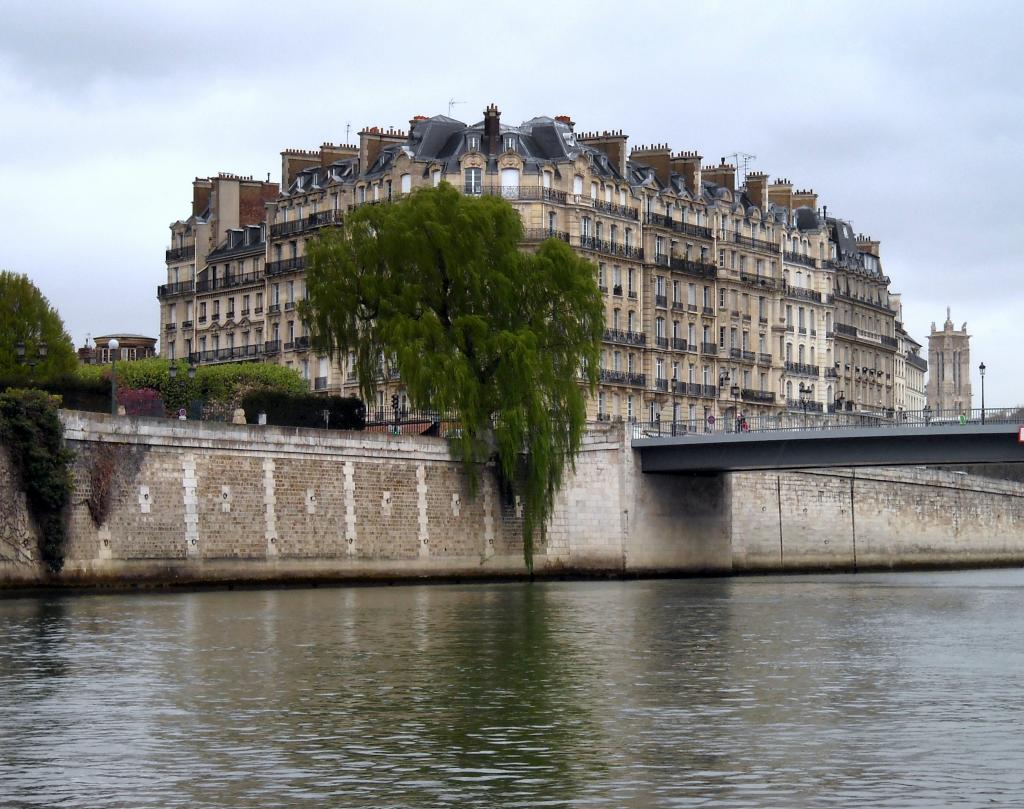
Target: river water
point(870, 690)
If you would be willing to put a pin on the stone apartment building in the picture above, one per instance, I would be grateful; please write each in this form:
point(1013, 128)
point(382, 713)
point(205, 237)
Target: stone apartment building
point(721, 298)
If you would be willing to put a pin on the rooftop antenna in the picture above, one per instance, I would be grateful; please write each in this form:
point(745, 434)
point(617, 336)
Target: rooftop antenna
point(348, 129)
point(451, 103)
point(741, 161)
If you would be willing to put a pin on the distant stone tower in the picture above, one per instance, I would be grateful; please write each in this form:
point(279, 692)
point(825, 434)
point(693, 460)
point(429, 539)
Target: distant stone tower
point(949, 368)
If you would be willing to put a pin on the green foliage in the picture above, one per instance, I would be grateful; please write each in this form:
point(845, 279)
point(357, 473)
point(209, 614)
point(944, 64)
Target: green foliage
point(27, 317)
point(32, 434)
point(437, 284)
point(305, 410)
point(220, 386)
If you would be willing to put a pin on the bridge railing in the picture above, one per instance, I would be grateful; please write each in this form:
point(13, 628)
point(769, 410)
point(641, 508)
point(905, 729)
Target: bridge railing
point(799, 422)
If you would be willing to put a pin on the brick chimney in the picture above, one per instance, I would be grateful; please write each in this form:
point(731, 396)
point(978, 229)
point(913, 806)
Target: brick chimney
point(372, 140)
point(687, 166)
point(757, 189)
point(781, 193)
point(659, 157)
point(295, 160)
point(201, 190)
point(723, 174)
point(492, 129)
point(565, 119)
point(612, 143)
point(805, 199)
point(332, 152)
point(415, 120)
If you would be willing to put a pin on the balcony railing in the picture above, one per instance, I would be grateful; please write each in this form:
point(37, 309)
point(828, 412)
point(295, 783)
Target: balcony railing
point(233, 353)
point(661, 384)
point(690, 267)
point(286, 265)
point(179, 288)
point(170, 327)
point(660, 220)
point(181, 253)
point(802, 368)
point(632, 338)
point(622, 377)
point(796, 258)
point(273, 309)
point(661, 300)
point(186, 324)
point(228, 281)
point(610, 248)
point(661, 342)
point(758, 281)
point(758, 396)
point(616, 210)
point(301, 343)
point(680, 344)
point(764, 359)
point(526, 192)
point(320, 383)
point(742, 354)
point(799, 292)
point(711, 349)
point(314, 220)
point(541, 234)
point(755, 244)
point(272, 346)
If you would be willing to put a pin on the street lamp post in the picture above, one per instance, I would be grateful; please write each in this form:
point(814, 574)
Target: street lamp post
point(19, 350)
point(805, 391)
point(113, 345)
point(981, 370)
point(735, 391)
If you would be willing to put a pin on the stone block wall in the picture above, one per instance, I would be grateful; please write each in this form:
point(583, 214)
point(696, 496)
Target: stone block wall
point(845, 519)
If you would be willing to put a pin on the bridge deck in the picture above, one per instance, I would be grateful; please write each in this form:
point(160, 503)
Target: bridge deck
point(860, 446)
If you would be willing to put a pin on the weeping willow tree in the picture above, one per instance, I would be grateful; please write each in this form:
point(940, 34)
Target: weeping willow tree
point(438, 284)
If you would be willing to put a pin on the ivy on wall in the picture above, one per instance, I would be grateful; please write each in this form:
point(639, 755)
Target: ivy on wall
point(32, 434)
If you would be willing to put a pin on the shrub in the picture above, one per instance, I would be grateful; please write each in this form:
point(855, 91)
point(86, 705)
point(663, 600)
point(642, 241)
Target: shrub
point(34, 437)
point(75, 392)
point(287, 410)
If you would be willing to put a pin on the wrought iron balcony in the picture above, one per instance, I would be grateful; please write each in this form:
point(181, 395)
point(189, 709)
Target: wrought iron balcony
point(741, 354)
point(799, 292)
point(180, 253)
point(610, 248)
point(179, 288)
point(661, 300)
point(661, 342)
point(633, 338)
point(170, 327)
point(286, 265)
point(680, 344)
point(796, 258)
point(802, 369)
point(661, 384)
point(272, 346)
point(755, 244)
point(758, 281)
point(526, 193)
point(542, 234)
point(186, 324)
point(622, 377)
point(311, 222)
point(764, 359)
point(230, 354)
point(758, 396)
point(660, 220)
point(229, 281)
point(617, 210)
point(711, 349)
point(274, 309)
point(320, 383)
point(690, 267)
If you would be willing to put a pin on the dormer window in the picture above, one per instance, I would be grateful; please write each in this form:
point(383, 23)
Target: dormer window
point(473, 143)
point(510, 143)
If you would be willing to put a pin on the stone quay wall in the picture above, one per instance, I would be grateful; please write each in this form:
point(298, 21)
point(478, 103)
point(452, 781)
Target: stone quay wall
point(200, 503)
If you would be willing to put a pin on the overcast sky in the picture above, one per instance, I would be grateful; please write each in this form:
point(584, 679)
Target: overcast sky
point(906, 117)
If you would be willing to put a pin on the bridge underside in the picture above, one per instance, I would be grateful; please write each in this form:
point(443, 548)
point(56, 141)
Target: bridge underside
point(969, 444)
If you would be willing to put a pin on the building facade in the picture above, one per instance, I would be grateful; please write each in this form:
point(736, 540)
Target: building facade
point(722, 298)
point(949, 357)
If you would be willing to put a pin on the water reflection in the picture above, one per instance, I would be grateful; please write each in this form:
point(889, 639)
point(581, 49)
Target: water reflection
point(896, 690)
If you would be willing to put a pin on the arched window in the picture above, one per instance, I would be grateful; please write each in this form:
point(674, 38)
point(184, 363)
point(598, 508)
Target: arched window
point(789, 390)
point(800, 355)
point(616, 319)
point(577, 185)
point(405, 183)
